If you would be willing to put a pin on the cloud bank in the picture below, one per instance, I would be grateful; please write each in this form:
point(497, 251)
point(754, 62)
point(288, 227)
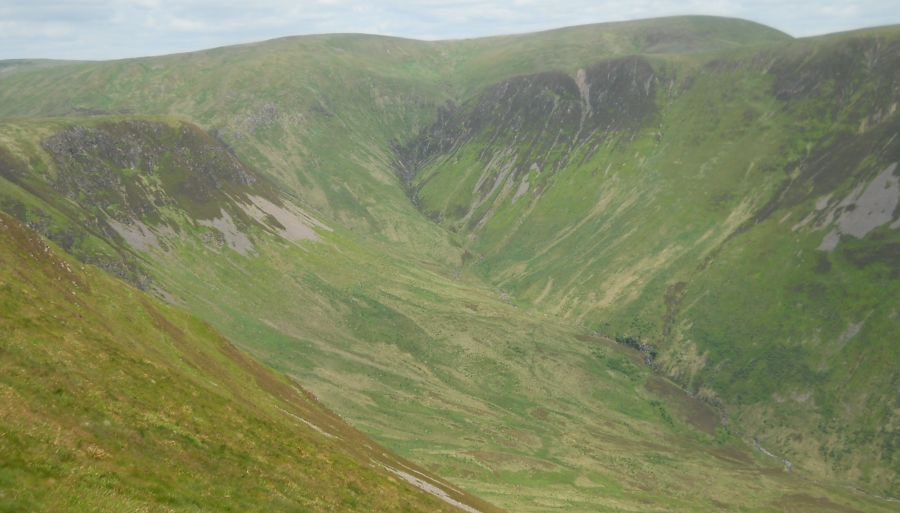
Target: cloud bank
point(93, 29)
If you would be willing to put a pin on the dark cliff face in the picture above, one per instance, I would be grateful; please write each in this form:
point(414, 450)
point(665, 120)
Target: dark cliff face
point(142, 175)
point(73, 229)
point(140, 166)
point(838, 73)
point(622, 93)
point(540, 112)
point(855, 89)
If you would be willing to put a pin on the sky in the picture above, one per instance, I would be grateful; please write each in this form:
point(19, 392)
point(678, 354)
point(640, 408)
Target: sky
point(95, 29)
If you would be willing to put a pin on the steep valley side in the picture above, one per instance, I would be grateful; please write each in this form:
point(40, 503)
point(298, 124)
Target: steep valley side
point(739, 212)
point(524, 411)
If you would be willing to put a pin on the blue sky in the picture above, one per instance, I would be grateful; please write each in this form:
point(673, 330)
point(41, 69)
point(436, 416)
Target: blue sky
point(94, 29)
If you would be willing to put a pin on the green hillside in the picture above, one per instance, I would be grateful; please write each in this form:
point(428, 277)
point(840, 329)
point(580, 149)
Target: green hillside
point(739, 212)
point(441, 240)
point(523, 411)
point(115, 401)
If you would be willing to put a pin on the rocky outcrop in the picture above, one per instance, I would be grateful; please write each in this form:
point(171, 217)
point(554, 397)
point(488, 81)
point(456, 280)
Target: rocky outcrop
point(534, 122)
point(140, 166)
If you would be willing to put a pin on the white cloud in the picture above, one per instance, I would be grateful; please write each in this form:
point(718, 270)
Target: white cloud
point(120, 28)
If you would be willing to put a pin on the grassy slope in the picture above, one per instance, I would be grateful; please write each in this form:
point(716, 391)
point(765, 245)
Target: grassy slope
point(439, 369)
point(113, 400)
point(516, 409)
point(684, 229)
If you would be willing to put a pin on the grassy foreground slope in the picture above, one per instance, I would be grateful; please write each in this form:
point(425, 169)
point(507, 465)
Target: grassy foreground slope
point(739, 210)
point(115, 401)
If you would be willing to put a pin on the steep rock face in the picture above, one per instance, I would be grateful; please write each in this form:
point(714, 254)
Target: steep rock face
point(111, 191)
point(98, 165)
point(79, 233)
point(740, 213)
point(839, 72)
point(530, 123)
